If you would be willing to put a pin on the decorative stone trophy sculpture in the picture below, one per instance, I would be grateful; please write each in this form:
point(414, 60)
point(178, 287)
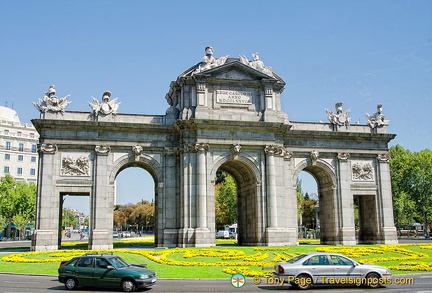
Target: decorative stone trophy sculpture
point(105, 107)
point(377, 119)
point(339, 118)
point(51, 103)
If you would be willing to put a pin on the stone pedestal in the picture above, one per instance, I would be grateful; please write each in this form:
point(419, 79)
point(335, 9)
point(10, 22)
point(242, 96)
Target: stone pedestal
point(203, 238)
point(43, 240)
point(100, 239)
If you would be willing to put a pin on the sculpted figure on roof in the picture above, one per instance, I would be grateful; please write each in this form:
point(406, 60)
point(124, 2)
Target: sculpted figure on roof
point(257, 64)
point(105, 107)
point(377, 119)
point(209, 61)
point(51, 103)
point(339, 118)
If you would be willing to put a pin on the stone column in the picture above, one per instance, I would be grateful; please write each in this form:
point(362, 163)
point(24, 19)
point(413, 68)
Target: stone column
point(289, 201)
point(170, 198)
point(201, 149)
point(45, 236)
point(271, 186)
point(388, 233)
point(187, 182)
point(202, 233)
point(345, 202)
point(102, 202)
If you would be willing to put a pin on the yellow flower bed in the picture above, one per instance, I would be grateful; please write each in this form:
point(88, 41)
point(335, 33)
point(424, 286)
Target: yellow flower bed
point(236, 261)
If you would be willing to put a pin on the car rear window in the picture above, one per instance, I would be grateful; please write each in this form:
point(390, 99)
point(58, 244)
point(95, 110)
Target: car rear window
point(296, 258)
point(72, 262)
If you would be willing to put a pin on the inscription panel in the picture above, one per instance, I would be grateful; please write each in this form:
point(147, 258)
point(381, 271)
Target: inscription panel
point(234, 97)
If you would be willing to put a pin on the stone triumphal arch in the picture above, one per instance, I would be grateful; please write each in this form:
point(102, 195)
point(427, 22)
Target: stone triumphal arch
point(224, 115)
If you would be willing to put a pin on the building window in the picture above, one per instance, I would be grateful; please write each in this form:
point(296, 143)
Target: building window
point(6, 170)
point(21, 147)
point(20, 158)
point(34, 148)
point(33, 159)
point(8, 145)
point(19, 171)
point(32, 135)
point(32, 171)
point(19, 133)
point(6, 132)
point(7, 156)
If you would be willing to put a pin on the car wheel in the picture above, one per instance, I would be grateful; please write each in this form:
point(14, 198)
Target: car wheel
point(302, 282)
point(373, 280)
point(71, 283)
point(128, 285)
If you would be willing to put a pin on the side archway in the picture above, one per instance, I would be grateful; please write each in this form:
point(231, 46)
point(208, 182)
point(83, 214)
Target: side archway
point(154, 168)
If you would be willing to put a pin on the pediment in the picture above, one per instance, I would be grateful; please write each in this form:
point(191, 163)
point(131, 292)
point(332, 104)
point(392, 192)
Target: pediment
point(233, 69)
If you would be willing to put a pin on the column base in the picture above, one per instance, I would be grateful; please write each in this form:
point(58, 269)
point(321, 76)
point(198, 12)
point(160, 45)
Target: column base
point(347, 236)
point(186, 237)
point(281, 236)
point(170, 238)
point(203, 238)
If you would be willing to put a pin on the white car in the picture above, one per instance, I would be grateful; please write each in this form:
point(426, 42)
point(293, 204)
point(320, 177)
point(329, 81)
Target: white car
point(307, 269)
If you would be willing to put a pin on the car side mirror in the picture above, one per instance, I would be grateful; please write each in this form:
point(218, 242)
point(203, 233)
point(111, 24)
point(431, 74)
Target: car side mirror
point(110, 267)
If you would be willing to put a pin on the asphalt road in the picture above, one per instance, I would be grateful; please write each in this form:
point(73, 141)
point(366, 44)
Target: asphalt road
point(38, 284)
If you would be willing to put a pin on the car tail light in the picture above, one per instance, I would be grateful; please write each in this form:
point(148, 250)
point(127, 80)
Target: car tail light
point(280, 269)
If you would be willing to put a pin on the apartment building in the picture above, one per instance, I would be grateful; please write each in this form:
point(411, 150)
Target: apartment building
point(18, 147)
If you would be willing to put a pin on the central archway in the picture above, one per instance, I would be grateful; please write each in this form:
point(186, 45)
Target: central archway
point(248, 208)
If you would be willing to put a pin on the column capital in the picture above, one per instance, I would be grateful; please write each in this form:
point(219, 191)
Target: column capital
point(271, 150)
point(383, 158)
point(202, 147)
point(47, 148)
point(344, 157)
point(102, 150)
point(171, 151)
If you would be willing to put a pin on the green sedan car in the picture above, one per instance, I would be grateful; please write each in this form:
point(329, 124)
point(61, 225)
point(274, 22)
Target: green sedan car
point(104, 270)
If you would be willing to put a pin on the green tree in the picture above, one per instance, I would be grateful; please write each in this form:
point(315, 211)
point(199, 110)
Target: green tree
point(404, 209)
point(16, 198)
point(20, 224)
point(412, 178)
point(226, 202)
point(69, 219)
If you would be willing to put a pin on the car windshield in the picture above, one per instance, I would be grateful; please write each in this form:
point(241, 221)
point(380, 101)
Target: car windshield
point(296, 258)
point(117, 262)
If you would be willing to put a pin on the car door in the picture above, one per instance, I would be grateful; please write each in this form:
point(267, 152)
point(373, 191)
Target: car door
point(344, 267)
point(84, 271)
point(104, 276)
point(319, 266)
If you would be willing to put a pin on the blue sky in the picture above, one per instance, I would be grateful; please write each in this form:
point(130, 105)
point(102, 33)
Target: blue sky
point(360, 53)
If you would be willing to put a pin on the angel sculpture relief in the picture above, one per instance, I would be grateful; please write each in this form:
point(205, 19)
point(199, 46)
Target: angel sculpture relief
point(105, 107)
